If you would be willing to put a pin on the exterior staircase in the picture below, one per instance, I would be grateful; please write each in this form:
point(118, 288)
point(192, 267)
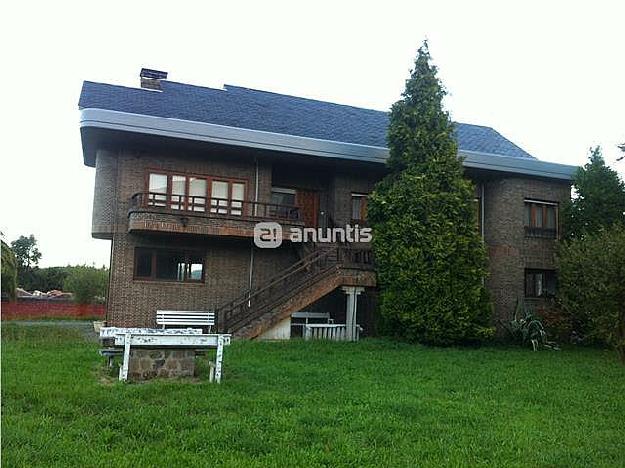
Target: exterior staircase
point(324, 268)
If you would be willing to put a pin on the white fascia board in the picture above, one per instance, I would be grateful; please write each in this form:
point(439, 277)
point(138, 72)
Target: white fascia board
point(525, 166)
point(213, 133)
point(201, 131)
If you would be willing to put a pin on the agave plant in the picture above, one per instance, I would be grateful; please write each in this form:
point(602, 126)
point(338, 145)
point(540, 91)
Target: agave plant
point(525, 327)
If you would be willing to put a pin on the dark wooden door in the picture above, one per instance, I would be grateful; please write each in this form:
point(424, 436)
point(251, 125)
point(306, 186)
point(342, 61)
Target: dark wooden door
point(308, 203)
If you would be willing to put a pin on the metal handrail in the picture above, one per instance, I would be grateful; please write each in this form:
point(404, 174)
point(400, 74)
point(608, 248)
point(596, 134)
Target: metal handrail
point(318, 264)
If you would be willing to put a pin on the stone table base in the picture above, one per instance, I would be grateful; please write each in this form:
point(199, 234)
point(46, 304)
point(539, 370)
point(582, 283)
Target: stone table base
point(168, 363)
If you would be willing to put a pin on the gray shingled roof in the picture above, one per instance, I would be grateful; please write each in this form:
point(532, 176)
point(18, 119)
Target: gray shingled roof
point(235, 106)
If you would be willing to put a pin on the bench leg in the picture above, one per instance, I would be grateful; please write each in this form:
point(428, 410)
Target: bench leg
point(219, 358)
point(211, 371)
point(123, 370)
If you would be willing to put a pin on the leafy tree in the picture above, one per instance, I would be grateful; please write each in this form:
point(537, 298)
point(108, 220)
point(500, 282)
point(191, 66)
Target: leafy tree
point(26, 251)
point(9, 272)
point(591, 286)
point(47, 279)
point(27, 255)
point(87, 283)
point(431, 260)
point(599, 199)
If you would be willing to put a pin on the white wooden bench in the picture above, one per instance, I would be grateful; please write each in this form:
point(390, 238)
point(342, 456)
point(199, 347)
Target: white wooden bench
point(108, 333)
point(302, 318)
point(330, 331)
point(188, 318)
point(159, 338)
point(312, 315)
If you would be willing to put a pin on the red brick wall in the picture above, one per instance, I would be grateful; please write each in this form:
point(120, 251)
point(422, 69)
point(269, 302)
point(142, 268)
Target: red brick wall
point(24, 309)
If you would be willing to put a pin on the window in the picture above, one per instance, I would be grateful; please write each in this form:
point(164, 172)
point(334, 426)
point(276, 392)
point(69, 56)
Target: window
point(168, 265)
point(197, 194)
point(227, 197)
point(157, 187)
point(178, 192)
point(541, 219)
point(282, 196)
point(359, 207)
point(540, 283)
point(283, 201)
point(477, 203)
point(191, 193)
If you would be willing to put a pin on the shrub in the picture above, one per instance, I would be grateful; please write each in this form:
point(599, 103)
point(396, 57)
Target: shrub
point(526, 328)
point(87, 283)
point(9, 272)
point(592, 286)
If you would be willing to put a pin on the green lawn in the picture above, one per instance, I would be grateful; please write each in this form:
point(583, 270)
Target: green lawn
point(312, 403)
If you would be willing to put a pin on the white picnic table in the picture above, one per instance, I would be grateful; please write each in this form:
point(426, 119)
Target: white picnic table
point(166, 338)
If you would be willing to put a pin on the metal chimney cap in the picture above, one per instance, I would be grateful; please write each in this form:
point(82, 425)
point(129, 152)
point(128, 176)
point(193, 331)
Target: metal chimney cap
point(153, 74)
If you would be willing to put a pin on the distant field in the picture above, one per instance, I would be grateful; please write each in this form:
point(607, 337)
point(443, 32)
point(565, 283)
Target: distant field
point(374, 403)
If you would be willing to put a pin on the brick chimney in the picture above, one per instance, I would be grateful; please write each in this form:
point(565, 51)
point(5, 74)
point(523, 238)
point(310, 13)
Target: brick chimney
point(151, 79)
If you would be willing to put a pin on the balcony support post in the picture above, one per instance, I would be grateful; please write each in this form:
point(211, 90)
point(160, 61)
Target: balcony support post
point(351, 312)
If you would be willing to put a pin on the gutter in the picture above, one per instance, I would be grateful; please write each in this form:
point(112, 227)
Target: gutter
point(91, 118)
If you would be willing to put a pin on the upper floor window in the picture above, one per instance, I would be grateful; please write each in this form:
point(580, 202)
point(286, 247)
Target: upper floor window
point(227, 197)
point(477, 204)
point(283, 202)
point(540, 283)
point(196, 193)
point(541, 219)
point(168, 265)
point(359, 207)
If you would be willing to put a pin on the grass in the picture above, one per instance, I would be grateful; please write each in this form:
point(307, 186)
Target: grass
point(313, 404)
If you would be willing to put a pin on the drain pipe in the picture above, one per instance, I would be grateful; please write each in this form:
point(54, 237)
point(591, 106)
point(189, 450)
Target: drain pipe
point(251, 268)
point(482, 209)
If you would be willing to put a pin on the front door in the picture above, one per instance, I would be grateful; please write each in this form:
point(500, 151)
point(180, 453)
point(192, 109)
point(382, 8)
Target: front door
point(308, 203)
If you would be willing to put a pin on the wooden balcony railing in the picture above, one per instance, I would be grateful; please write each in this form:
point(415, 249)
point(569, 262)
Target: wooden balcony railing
point(213, 206)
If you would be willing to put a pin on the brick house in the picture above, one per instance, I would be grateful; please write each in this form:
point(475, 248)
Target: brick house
point(183, 173)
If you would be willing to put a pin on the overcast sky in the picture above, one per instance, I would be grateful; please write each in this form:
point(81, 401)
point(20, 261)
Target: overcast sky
point(550, 76)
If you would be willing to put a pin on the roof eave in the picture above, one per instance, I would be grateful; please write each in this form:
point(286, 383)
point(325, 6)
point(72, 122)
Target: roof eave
point(92, 118)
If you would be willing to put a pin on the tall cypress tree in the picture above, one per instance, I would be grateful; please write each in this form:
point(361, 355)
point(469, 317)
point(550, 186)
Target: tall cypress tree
point(431, 260)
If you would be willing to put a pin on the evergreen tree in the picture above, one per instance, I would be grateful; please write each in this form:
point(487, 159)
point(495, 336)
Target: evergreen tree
point(431, 260)
point(599, 199)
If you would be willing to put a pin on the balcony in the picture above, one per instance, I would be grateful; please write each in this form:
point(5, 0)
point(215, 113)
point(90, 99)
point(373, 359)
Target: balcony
point(209, 216)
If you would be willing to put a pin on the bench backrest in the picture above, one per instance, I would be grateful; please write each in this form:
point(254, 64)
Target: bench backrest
point(185, 317)
point(311, 315)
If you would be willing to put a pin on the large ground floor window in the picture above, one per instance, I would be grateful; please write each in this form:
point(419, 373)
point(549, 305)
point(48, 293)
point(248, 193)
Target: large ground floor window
point(168, 265)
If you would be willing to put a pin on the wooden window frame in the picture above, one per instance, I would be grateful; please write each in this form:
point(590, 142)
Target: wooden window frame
point(365, 196)
point(154, 251)
point(480, 221)
point(209, 187)
point(536, 271)
point(531, 230)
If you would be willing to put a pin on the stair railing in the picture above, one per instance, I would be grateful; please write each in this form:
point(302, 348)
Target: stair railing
point(254, 303)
